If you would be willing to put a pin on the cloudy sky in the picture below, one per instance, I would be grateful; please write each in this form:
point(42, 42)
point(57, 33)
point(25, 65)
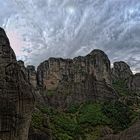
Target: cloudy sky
point(39, 29)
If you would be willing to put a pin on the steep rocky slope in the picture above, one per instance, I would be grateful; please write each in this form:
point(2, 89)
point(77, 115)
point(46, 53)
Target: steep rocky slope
point(16, 95)
point(63, 83)
point(82, 98)
point(68, 81)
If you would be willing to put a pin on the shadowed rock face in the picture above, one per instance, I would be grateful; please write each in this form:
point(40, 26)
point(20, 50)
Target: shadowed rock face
point(121, 71)
point(134, 82)
point(32, 75)
point(16, 95)
point(38, 135)
point(133, 133)
point(66, 81)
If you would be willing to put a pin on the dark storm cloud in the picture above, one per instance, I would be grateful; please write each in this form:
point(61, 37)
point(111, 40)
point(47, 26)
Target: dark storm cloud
point(67, 28)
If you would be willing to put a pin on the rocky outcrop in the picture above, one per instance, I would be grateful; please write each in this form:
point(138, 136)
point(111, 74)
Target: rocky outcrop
point(133, 133)
point(16, 95)
point(121, 71)
point(23, 68)
point(68, 81)
point(134, 83)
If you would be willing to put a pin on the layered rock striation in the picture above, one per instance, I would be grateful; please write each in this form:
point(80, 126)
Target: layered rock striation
point(121, 71)
point(134, 83)
point(69, 81)
point(16, 95)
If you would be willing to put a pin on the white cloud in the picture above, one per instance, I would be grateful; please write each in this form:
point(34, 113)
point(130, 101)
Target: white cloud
point(67, 28)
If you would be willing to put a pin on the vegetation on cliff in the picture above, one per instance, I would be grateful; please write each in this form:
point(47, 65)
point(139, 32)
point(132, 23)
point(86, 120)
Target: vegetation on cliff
point(84, 121)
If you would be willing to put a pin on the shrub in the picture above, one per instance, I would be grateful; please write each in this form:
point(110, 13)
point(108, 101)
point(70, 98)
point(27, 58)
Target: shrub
point(121, 87)
point(118, 113)
point(37, 120)
point(92, 114)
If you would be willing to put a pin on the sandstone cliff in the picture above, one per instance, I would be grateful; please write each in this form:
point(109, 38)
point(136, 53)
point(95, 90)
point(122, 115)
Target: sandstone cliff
point(16, 95)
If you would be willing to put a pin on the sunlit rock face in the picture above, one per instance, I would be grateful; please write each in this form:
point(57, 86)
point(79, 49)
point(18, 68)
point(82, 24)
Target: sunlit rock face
point(16, 95)
point(67, 81)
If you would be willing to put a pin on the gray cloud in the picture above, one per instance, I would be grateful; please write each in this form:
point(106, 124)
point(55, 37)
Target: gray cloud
point(68, 28)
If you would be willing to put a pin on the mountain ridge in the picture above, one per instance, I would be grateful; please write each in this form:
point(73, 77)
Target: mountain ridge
point(81, 98)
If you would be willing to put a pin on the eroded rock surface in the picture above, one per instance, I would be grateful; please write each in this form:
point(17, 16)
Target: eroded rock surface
point(132, 133)
point(32, 75)
point(66, 81)
point(121, 71)
point(134, 83)
point(16, 95)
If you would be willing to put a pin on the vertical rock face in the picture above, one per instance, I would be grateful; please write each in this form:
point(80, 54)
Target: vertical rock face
point(134, 82)
point(132, 133)
point(121, 71)
point(16, 95)
point(32, 75)
point(66, 81)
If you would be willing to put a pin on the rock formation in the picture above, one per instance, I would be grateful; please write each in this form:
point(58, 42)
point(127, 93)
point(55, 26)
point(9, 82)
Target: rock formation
point(58, 83)
point(32, 75)
point(132, 133)
point(121, 71)
point(67, 81)
point(134, 82)
point(16, 95)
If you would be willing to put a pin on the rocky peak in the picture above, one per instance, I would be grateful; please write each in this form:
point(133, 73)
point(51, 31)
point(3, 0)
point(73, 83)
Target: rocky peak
point(121, 71)
point(21, 63)
point(79, 79)
point(31, 68)
point(101, 64)
point(98, 52)
point(7, 54)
